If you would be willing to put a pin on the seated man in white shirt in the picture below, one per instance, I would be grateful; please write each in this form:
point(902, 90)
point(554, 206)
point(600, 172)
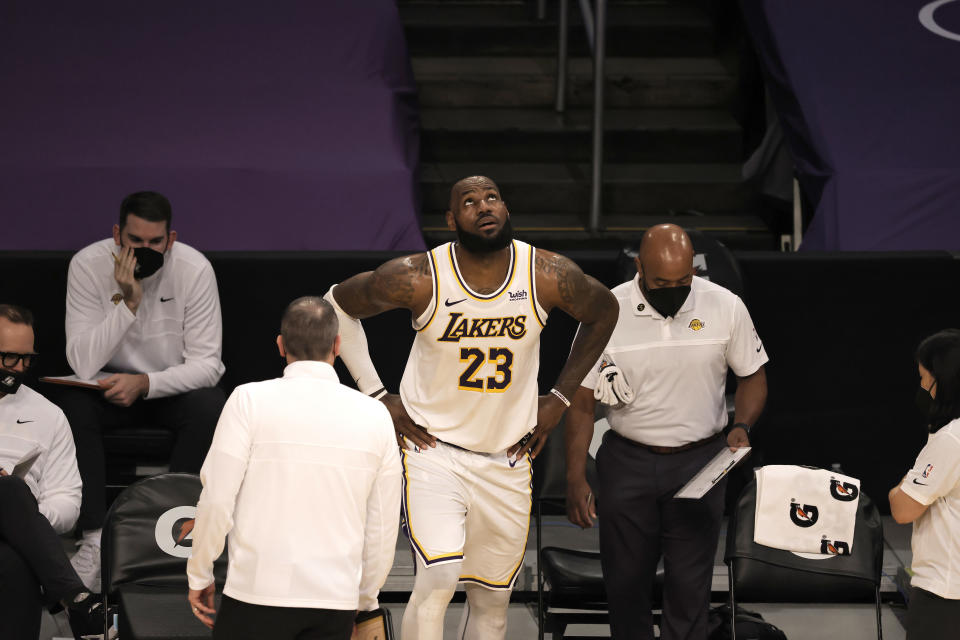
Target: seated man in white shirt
point(40, 503)
point(304, 474)
point(143, 316)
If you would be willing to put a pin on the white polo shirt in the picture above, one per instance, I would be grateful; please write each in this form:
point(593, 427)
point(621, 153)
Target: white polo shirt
point(677, 367)
point(934, 480)
point(29, 420)
point(175, 336)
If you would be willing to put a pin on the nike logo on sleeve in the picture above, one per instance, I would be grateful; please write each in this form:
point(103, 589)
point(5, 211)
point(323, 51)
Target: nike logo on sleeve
point(19, 421)
point(162, 299)
point(922, 484)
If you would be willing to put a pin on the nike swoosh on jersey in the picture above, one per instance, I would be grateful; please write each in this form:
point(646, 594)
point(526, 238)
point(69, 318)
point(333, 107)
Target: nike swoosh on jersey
point(758, 348)
point(19, 421)
point(450, 304)
point(162, 299)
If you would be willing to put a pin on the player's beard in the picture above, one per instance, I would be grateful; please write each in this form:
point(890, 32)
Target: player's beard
point(476, 243)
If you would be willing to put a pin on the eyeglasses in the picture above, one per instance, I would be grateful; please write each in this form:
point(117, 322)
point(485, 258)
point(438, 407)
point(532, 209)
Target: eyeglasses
point(10, 360)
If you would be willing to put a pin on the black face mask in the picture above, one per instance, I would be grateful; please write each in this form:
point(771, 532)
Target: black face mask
point(475, 243)
point(10, 381)
point(148, 262)
point(666, 301)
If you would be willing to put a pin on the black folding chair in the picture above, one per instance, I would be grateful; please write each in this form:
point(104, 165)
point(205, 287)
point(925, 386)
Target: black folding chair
point(146, 543)
point(763, 574)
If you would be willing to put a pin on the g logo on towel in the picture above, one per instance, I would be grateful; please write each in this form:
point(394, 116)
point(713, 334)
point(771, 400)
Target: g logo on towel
point(804, 516)
point(845, 492)
point(835, 548)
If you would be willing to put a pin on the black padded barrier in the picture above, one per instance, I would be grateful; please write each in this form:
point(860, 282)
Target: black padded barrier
point(840, 329)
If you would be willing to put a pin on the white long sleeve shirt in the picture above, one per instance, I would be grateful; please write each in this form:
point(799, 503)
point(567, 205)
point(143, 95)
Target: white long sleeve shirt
point(176, 335)
point(28, 420)
point(304, 474)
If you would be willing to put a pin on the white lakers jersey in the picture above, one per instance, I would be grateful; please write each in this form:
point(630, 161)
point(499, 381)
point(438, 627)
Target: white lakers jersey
point(471, 379)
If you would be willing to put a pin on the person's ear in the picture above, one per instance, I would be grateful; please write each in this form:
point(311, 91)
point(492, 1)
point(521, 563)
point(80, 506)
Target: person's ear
point(280, 347)
point(171, 238)
point(116, 235)
point(636, 261)
point(336, 347)
point(451, 224)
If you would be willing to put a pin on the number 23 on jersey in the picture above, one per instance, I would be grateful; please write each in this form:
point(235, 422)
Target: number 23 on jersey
point(472, 379)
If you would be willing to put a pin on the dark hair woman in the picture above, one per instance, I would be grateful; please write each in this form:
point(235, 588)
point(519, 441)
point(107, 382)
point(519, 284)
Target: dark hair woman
point(929, 495)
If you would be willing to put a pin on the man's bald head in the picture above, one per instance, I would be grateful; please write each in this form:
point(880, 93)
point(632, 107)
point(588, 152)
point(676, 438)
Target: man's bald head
point(471, 183)
point(309, 329)
point(666, 257)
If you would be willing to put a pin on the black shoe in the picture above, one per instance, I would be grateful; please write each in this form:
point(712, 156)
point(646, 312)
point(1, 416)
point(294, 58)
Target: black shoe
point(86, 614)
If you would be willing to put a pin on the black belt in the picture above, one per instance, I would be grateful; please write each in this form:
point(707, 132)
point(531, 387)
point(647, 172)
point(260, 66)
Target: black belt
point(668, 450)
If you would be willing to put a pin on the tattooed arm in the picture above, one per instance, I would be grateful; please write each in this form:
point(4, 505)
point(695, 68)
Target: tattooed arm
point(401, 283)
point(562, 284)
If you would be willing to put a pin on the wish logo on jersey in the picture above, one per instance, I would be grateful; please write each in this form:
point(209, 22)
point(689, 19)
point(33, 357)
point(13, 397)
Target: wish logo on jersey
point(804, 516)
point(458, 327)
point(845, 492)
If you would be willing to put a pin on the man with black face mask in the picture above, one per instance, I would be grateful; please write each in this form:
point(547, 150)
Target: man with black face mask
point(468, 412)
point(675, 338)
point(37, 504)
point(143, 318)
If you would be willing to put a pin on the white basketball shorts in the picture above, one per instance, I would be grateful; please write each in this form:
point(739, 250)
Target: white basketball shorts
point(475, 507)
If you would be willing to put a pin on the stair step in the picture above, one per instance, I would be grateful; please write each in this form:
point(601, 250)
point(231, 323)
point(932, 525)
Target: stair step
point(531, 82)
point(563, 232)
point(454, 29)
point(538, 135)
point(565, 188)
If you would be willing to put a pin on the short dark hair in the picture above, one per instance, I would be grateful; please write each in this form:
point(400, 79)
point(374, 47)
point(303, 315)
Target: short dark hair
point(940, 355)
point(309, 328)
point(149, 205)
point(16, 314)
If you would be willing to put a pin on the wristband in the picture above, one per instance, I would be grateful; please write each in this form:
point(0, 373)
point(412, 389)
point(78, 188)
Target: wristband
point(742, 425)
point(562, 397)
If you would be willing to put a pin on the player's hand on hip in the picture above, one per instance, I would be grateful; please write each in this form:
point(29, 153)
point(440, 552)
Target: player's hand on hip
point(581, 507)
point(737, 438)
point(130, 287)
point(404, 426)
point(549, 411)
point(123, 389)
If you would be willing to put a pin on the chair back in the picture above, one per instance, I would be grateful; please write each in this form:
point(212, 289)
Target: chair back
point(764, 574)
point(147, 533)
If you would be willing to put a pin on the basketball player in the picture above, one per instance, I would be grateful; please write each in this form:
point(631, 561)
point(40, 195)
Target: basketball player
point(468, 413)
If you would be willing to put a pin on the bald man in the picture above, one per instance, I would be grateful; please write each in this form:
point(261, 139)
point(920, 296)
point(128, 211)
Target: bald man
point(675, 338)
point(468, 413)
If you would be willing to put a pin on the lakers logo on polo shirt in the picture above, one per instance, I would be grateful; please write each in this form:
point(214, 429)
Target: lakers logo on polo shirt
point(696, 324)
point(117, 297)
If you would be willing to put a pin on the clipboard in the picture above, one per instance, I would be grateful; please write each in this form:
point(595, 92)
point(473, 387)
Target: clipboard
point(74, 381)
point(712, 473)
point(22, 468)
point(374, 625)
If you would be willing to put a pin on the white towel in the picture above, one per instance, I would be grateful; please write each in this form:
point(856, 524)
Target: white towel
point(805, 510)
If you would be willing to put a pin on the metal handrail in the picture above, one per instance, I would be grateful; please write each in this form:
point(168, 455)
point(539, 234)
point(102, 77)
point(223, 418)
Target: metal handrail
point(595, 22)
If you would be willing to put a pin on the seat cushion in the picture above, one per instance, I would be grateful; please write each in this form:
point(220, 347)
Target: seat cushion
point(158, 613)
point(576, 577)
point(139, 442)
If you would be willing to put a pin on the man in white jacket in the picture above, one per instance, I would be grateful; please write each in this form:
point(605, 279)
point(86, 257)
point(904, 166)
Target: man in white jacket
point(143, 317)
point(37, 504)
point(304, 474)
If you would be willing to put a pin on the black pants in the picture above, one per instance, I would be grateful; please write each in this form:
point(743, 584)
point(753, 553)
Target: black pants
point(639, 520)
point(238, 620)
point(192, 416)
point(31, 557)
point(930, 617)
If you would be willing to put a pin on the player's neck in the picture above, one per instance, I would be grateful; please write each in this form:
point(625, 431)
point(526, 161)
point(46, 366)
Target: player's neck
point(483, 271)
